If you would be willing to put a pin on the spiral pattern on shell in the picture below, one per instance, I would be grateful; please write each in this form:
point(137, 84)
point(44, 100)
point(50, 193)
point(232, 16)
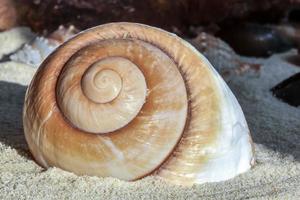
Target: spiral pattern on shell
point(126, 100)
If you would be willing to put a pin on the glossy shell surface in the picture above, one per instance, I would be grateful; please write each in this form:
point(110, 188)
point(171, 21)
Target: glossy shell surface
point(127, 100)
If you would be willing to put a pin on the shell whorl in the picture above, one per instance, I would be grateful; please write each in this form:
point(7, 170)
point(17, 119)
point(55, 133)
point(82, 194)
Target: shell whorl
point(125, 100)
point(109, 91)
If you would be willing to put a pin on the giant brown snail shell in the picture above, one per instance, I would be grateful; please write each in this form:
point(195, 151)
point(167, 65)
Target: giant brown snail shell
point(127, 100)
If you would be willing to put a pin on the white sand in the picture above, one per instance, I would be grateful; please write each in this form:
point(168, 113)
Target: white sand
point(275, 128)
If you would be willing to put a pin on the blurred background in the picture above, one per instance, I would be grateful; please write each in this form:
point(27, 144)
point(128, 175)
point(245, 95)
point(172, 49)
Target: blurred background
point(183, 17)
point(273, 24)
point(254, 28)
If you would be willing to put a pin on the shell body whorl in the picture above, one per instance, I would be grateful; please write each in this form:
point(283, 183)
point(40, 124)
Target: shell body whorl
point(126, 100)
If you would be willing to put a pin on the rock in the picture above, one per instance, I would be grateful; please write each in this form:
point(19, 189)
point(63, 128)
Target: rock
point(34, 52)
point(289, 90)
point(254, 40)
point(175, 16)
point(222, 56)
point(13, 39)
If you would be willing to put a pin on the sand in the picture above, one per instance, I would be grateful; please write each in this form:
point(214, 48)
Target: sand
point(275, 128)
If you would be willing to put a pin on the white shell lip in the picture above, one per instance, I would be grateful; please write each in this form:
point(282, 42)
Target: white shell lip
point(232, 153)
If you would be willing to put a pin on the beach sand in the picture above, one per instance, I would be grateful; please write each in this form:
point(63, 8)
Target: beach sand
point(274, 125)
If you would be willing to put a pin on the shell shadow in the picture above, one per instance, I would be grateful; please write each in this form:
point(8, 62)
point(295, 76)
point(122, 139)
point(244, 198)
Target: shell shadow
point(11, 128)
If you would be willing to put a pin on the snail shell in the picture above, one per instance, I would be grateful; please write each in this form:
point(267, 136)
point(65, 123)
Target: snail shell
point(127, 100)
